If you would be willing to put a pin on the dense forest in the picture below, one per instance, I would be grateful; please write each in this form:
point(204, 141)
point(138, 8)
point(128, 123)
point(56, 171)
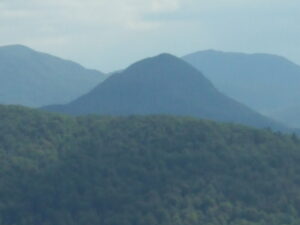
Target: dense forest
point(144, 170)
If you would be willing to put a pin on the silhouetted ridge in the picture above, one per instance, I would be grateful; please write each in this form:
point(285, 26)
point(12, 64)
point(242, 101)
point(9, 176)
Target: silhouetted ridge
point(267, 83)
point(16, 47)
point(165, 69)
point(163, 84)
point(32, 78)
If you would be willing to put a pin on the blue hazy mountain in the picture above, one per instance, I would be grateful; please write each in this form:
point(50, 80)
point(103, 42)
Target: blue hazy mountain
point(32, 78)
point(163, 84)
point(267, 83)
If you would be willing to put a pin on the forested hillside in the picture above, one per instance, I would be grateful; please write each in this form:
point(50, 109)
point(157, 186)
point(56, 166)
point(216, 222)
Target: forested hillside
point(144, 171)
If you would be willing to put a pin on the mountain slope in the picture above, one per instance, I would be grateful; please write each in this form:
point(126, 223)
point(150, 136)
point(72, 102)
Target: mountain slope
point(163, 84)
point(31, 78)
point(266, 83)
point(144, 170)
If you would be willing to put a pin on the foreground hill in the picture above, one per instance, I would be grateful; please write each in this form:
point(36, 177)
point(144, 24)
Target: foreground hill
point(145, 171)
point(163, 84)
point(32, 78)
point(267, 83)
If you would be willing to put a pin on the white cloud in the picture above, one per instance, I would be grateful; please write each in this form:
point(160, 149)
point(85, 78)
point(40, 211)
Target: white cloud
point(62, 26)
point(107, 12)
point(104, 33)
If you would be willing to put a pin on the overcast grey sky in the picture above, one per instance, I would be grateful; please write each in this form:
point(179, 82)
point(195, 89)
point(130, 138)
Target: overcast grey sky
point(110, 34)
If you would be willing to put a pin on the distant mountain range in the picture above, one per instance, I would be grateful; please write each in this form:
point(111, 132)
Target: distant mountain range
point(162, 85)
point(32, 78)
point(269, 84)
point(159, 85)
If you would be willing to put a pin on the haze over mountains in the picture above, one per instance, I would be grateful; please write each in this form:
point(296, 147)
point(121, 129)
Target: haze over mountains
point(163, 84)
point(34, 79)
point(146, 170)
point(267, 83)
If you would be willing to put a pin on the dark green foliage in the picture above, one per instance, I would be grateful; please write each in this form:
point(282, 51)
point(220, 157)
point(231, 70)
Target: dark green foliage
point(144, 171)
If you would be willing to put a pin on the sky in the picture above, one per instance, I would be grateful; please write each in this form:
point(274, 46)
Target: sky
point(109, 35)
